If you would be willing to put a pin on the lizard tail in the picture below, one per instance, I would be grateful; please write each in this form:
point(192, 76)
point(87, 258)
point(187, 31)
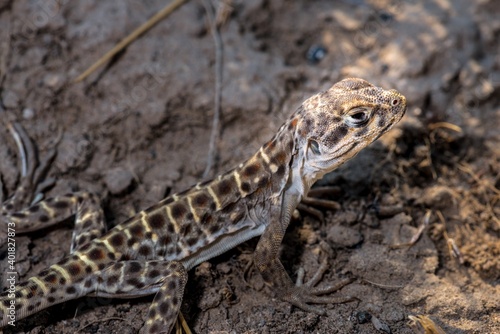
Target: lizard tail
point(52, 286)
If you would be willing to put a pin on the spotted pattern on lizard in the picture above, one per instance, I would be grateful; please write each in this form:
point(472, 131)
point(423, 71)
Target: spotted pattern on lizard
point(151, 252)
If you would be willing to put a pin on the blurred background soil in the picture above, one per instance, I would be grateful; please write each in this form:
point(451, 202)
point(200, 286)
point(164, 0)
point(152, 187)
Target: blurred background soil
point(138, 129)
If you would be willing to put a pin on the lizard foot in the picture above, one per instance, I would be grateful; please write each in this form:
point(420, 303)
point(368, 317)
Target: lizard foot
point(313, 200)
point(304, 294)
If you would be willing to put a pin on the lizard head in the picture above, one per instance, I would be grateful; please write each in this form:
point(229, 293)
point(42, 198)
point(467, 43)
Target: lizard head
point(333, 126)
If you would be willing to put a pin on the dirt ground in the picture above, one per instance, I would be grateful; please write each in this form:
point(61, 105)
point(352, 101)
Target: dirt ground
point(138, 129)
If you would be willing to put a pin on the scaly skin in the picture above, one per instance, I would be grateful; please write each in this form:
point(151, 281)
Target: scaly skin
point(151, 252)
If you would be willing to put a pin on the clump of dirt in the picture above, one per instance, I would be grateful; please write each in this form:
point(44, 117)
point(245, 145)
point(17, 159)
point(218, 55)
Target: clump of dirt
point(139, 129)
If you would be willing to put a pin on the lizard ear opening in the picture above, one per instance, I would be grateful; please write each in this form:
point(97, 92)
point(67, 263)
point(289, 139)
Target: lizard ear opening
point(314, 146)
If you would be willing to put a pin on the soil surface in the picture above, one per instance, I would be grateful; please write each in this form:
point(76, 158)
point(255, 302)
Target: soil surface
point(138, 129)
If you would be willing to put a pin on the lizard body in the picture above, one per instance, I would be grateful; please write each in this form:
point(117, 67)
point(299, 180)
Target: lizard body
point(151, 252)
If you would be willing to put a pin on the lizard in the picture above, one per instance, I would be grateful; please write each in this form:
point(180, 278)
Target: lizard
point(151, 252)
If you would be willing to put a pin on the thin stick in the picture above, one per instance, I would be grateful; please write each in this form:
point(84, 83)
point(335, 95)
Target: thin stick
point(167, 10)
point(214, 136)
point(446, 125)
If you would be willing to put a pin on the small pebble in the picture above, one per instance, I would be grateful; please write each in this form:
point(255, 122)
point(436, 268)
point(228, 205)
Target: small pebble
point(10, 99)
point(28, 113)
point(363, 317)
point(316, 53)
point(344, 236)
point(118, 180)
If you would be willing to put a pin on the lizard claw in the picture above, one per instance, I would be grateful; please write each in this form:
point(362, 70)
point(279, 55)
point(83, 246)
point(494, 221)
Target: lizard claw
point(304, 294)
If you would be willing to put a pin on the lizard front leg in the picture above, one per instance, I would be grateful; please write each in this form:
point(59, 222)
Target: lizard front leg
point(266, 258)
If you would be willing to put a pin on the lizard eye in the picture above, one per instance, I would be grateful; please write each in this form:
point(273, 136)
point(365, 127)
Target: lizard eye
point(313, 144)
point(357, 117)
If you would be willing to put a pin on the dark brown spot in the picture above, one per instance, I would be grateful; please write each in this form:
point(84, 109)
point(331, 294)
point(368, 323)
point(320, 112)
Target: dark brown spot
point(281, 171)
point(82, 240)
point(135, 282)
point(62, 280)
point(34, 208)
point(178, 250)
point(153, 274)
point(19, 215)
point(86, 224)
point(175, 301)
point(117, 240)
point(245, 186)
point(201, 199)
point(164, 307)
point(145, 250)
point(101, 266)
point(206, 219)
point(74, 269)
point(88, 283)
point(155, 328)
point(135, 267)
point(111, 256)
point(191, 241)
point(223, 188)
point(178, 211)
point(172, 285)
point(137, 230)
point(44, 273)
point(70, 290)
point(229, 208)
point(96, 254)
point(280, 158)
point(60, 205)
point(214, 229)
point(88, 269)
point(44, 218)
point(170, 228)
point(51, 299)
point(132, 241)
point(31, 307)
point(189, 216)
point(164, 240)
point(52, 278)
point(250, 170)
point(82, 249)
point(156, 221)
point(263, 183)
point(337, 135)
point(112, 280)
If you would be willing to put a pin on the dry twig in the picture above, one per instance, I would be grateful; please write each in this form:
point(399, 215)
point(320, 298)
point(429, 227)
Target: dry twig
point(167, 10)
point(214, 136)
